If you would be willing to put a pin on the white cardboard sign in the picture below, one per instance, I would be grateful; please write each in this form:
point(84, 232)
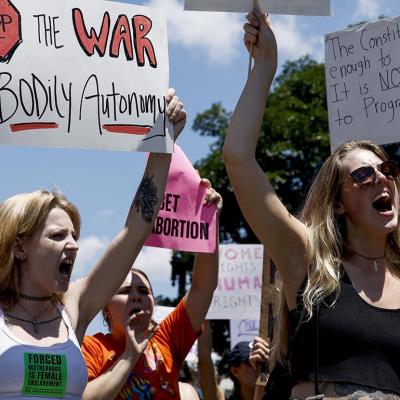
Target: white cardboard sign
point(83, 74)
point(238, 294)
point(289, 7)
point(243, 330)
point(362, 68)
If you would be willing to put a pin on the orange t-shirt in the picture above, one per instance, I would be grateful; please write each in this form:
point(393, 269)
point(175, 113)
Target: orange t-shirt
point(156, 373)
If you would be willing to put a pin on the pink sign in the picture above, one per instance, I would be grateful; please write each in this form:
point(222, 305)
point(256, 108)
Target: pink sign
point(184, 222)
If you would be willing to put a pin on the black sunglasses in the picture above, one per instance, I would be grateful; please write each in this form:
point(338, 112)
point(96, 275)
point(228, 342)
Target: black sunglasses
point(366, 176)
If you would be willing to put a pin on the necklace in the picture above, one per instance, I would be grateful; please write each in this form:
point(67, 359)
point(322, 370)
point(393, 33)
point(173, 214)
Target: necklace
point(34, 321)
point(374, 259)
point(35, 298)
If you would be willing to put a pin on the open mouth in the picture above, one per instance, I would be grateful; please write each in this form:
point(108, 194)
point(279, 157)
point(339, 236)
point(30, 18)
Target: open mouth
point(135, 311)
point(65, 267)
point(382, 202)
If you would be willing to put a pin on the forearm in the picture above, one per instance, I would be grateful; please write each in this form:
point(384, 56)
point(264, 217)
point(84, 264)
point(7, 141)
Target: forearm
point(204, 282)
point(207, 379)
point(108, 385)
point(244, 128)
point(111, 270)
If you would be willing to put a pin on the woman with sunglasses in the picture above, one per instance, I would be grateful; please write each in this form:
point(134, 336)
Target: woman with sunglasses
point(43, 316)
point(339, 263)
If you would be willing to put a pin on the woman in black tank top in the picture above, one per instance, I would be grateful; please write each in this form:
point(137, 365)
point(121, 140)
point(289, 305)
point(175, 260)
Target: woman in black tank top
point(339, 262)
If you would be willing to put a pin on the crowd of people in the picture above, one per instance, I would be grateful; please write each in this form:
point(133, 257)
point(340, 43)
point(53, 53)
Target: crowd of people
point(337, 334)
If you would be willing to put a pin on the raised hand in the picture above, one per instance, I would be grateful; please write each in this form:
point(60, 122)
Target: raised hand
point(259, 37)
point(175, 112)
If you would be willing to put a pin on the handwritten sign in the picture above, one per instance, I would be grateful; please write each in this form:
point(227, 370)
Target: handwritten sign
point(183, 222)
point(290, 7)
point(363, 82)
point(243, 330)
point(83, 74)
point(238, 293)
point(160, 312)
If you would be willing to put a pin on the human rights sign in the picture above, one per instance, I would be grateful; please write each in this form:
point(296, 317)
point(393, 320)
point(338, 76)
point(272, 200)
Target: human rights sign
point(83, 74)
point(238, 294)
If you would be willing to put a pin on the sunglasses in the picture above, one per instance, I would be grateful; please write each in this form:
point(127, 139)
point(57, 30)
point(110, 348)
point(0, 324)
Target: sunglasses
point(366, 176)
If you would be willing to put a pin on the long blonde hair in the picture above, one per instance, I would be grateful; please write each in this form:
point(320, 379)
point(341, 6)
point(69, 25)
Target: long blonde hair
point(20, 216)
point(327, 230)
point(326, 241)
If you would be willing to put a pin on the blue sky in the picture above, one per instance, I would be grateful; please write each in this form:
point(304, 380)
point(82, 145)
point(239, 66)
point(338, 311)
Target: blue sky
point(208, 64)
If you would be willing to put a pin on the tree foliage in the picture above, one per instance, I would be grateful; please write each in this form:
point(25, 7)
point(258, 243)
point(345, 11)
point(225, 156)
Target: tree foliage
point(293, 142)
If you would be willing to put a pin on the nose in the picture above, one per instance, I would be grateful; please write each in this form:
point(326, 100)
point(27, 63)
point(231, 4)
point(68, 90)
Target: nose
point(134, 294)
point(72, 244)
point(380, 177)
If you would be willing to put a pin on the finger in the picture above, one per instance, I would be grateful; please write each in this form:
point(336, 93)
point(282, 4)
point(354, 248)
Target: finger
point(250, 29)
point(171, 106)
point(175, 115)
point(253, 20)
point(206, 182)
point(170, 94)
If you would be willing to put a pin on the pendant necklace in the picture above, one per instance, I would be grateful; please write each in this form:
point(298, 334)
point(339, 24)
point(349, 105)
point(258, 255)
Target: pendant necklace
point(34, 321)
point(374, 259)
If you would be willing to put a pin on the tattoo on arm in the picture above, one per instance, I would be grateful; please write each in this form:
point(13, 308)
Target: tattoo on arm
point(146, 199)
point(353, 391)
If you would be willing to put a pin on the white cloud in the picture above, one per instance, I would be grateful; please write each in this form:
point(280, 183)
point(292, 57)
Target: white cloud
point(214, 35)
point(368, 8)
point(155, 262)
point(293, 42)
point(90, 250)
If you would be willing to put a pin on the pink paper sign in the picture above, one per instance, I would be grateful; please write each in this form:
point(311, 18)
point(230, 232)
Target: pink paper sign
point(184, 222)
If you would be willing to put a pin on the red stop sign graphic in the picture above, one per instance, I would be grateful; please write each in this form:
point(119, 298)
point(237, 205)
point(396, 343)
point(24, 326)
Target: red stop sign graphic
point(10, 30)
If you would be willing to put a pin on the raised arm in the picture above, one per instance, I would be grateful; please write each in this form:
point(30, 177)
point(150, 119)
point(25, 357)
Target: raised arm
point(205, 271)
point(207, 379)
point(283, 236)
point(88, 296)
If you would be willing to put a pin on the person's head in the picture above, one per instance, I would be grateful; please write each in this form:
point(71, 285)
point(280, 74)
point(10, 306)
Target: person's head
point(134, 299)
point(240, 370)
point(345, 202)
point(38, 233)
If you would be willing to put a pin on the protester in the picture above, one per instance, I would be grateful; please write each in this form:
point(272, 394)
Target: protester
point(43, 317)
point(242, 365)
point(343, 254)
point(138, 359)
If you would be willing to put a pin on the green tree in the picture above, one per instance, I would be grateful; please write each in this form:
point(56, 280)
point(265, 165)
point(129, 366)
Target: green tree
point(293, 142)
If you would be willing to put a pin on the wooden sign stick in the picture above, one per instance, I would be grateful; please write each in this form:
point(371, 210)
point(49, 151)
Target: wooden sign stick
point(268, 298)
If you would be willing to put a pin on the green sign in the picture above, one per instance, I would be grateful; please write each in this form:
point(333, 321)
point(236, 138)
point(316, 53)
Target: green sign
point(45, 375)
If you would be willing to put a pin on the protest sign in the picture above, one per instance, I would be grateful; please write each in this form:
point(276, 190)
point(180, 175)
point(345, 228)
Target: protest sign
point(363, 82)
point(183, 222)
point(290, 7)
point(243, 330)
point(238, 294)
point(83, 74)
point(160, 312)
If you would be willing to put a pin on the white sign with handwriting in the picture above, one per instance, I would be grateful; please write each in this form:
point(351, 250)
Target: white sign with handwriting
point(238, 293)
point(289, 7)
point(83, 74)
point(362, 68)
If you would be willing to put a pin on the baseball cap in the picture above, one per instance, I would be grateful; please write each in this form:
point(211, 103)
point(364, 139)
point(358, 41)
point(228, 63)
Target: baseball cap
point(239, 353)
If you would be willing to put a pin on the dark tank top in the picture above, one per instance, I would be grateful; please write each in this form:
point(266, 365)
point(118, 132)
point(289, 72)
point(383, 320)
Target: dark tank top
point(357, 342)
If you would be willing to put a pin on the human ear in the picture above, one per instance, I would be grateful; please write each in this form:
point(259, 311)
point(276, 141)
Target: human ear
point(234, 371)
point(339, 209)
point(19, 251)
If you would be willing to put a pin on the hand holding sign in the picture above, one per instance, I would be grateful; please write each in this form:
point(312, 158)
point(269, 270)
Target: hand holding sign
point(175, 112)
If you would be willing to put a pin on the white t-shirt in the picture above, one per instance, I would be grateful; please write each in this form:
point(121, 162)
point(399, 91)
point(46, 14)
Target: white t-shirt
point(41, 373)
